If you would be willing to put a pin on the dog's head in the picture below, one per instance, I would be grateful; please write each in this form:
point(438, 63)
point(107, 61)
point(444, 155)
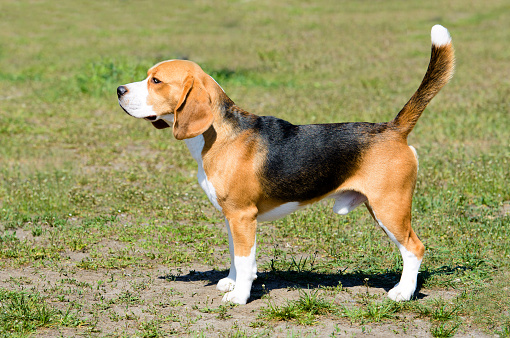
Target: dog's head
point(175, 92)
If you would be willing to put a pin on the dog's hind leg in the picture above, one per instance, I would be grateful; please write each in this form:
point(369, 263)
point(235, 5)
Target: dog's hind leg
point(396, 222)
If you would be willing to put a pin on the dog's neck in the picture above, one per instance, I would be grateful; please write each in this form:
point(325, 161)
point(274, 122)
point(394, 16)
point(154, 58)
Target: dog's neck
point(195, 146)
point(238, 118)
point(229, 121)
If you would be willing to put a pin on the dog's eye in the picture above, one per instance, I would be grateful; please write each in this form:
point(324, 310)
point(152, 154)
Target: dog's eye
point(154, 80)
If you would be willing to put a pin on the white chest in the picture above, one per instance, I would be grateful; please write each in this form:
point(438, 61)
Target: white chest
point(195, 146)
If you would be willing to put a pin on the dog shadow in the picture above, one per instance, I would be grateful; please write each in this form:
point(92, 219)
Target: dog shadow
point(282, 279)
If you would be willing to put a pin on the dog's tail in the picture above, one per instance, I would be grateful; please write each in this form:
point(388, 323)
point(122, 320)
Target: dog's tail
point(441, 66)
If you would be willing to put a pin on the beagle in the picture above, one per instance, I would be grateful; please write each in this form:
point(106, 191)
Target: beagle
point(260, 168)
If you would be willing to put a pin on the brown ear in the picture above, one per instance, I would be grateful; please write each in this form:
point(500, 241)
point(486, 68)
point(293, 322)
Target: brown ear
point(193, 114)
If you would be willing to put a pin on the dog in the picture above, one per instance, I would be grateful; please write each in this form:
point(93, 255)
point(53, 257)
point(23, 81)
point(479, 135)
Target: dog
point(261, 168)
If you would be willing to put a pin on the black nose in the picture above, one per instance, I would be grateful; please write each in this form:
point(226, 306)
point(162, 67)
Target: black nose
point(121, 90)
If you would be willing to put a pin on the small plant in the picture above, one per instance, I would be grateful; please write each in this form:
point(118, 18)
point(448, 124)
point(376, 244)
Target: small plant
point(303, 264)
point(505, 330)
point(258, 324)
point(23, 312)
point(312, 303)
point(280, 313)
point(37, 231)
point(9, 237)
point(372, 311)
point(152, 329)
point(129, 298)
point(444, 330)
point(443, 312)
point(304, 310)
point(378, 311)
point(70, 318)
point(175, 303)
point(333, 290)
point(221, 310)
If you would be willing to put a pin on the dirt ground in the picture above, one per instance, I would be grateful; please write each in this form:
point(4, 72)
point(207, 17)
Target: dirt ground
point(186, 303)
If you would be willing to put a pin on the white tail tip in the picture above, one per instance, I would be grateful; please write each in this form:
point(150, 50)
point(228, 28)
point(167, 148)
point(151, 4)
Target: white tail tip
point(440, 36)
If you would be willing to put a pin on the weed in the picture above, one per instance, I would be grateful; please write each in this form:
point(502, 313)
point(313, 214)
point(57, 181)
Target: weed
point(311, 302)
point(127, 298)
point(444, 330)
point(221, 310)
point(258, 324)
point(20, 280)
point(303, 264)
point(304, 310)
point(505, 330)
point(37, 231)
point(24, 312)
point(152, 329)
point(444, 312)
point(372, 311)
point(73, 281)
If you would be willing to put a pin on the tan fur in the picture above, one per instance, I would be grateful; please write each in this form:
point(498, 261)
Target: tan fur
point(231, 167)
point(387, 179)
point(438, 74)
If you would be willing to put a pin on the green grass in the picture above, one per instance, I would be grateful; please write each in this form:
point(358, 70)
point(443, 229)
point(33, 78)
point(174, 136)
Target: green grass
point(444, 330)
point(83, 187)
point(372, 311)
point(304, 310)
point(25, 312)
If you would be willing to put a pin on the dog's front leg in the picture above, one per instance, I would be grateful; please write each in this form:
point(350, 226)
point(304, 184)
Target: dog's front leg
point(228, 283)
point(242, 228)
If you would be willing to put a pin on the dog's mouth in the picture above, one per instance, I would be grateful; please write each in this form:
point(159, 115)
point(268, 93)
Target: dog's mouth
point(124, 109)
point(159, 124)
point(151, 118)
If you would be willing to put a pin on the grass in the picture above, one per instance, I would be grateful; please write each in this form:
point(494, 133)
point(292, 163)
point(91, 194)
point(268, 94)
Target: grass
point(93, 202)
point(304, 310)
point(372, 311)
point(25, 312)
point(444, 330)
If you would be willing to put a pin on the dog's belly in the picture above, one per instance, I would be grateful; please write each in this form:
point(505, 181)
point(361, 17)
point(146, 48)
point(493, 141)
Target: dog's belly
point(347, 201)
point(279, 212)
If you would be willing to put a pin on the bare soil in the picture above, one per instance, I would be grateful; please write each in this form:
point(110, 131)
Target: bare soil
point(186, 303)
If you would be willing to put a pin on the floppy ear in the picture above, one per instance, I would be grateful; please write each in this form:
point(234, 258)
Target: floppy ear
point(193, 114)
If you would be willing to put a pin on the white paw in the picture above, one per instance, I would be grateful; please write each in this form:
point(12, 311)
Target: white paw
point(236, 297)
point(226, 284)
point(401, 292)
